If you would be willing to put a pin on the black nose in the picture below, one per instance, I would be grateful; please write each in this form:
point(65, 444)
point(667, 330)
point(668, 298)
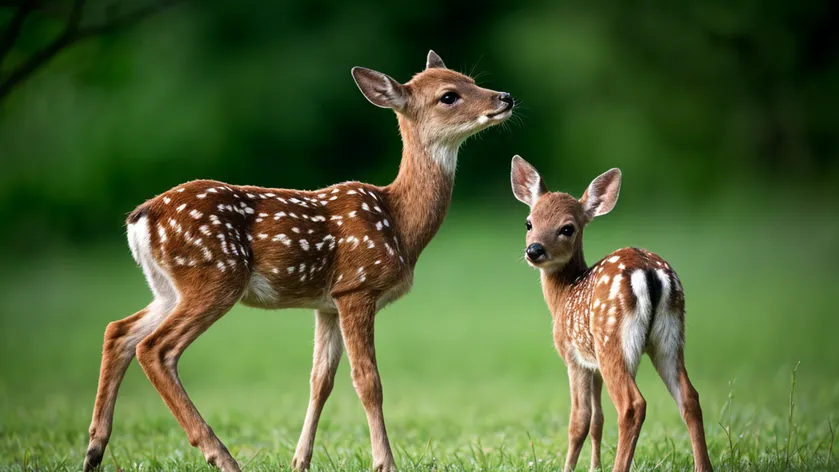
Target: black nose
point(506, 98)
point(535, 252)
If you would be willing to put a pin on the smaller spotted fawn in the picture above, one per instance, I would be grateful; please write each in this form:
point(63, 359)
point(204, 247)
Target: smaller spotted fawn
point(345, 251)
point(606, 316)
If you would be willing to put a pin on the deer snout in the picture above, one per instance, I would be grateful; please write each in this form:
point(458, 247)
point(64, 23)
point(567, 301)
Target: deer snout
point(536, 252)
point(507, 98)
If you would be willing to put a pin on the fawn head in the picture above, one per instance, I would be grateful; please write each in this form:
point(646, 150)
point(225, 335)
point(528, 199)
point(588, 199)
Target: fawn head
point(445, 106)
point(556, 221)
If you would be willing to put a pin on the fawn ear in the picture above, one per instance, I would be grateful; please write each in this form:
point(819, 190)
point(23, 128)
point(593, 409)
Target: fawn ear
point(434, 61)
point(528, 185)
point(602, 194)
point(380, 89)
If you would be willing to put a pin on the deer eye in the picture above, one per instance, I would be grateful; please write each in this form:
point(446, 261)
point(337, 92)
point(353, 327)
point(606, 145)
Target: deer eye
point(528, 225)
point(449, 98)
point(567, 230)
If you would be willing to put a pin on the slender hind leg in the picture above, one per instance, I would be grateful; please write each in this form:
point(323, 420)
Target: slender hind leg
point(596, 428)
point(159, 353)
point(579, 379)
point(121, 339)
point(327, 356)
point(671, 368)
point(631, 408)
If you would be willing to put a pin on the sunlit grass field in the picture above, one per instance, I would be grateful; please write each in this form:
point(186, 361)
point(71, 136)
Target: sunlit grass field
point(471, 379)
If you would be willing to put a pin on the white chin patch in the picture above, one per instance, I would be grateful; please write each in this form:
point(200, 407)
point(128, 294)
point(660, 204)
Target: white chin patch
point(482, 120)
point(503, 116)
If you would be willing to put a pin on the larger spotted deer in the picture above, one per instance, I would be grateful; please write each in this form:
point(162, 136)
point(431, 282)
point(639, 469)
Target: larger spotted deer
point(345, 251)
point(606, 316)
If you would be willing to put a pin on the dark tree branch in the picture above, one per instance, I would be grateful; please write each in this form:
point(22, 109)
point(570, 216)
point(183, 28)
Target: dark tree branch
point(14, 28)
point(73, 32)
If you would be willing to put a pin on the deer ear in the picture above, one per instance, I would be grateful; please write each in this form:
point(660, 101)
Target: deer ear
point(528, 185)
point(602, 194)
point(434, 61)
point(380, 89)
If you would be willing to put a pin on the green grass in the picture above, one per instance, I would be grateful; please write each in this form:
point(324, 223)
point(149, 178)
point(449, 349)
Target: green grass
point(471, 379)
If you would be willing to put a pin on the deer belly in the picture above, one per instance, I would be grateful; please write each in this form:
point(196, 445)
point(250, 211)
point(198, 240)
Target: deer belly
point(578, 349)
point(295, 287)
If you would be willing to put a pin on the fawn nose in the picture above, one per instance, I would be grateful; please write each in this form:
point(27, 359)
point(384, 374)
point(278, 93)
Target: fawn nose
point(506, 98)
point(535, 252)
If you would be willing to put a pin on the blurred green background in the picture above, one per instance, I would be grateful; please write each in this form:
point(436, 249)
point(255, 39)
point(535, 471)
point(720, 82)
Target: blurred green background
point(721, 114)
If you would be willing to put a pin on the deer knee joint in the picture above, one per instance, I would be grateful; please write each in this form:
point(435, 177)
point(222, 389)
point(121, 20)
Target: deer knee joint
point(368, 385)
point(634, 413)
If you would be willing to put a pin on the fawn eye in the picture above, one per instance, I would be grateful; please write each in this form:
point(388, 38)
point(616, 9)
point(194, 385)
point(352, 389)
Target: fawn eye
point(567, 230)
point(449, 98)
point(528, 225)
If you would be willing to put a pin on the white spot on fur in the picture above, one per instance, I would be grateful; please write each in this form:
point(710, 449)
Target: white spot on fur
point(616, 286)
point(282, 238)
point(166, 200)
point(180, 207)
point(304, 244)
point(613, 259)
point(195, 214)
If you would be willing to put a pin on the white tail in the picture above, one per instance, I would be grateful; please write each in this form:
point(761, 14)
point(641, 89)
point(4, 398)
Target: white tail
point(346, 251)
point(606, 316)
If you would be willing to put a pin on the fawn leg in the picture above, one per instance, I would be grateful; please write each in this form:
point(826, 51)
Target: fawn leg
point(596, 427)
point(158, 355)
point(631, 408)
point(692, 414)
point(118, 349)
point(579, 380)
point(671, 369)
point(327, 355)
point(357, 313)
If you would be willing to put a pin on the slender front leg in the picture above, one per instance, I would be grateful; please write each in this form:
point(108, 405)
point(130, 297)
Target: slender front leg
point(327, 356)
point(596, 428)
point(579, 379)
point(357, 314)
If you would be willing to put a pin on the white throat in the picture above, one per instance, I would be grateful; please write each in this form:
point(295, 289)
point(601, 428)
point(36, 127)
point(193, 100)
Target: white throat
point(445, 154)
